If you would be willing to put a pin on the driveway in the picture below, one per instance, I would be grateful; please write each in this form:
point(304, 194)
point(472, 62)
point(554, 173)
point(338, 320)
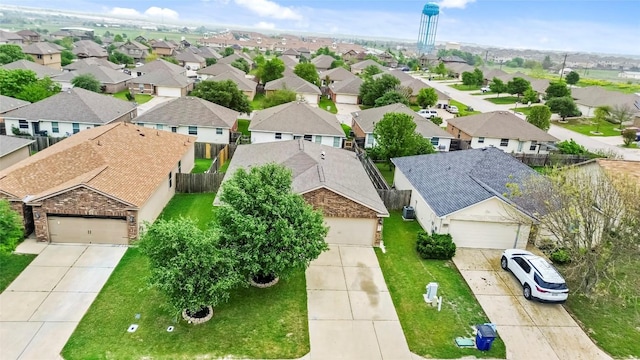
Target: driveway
point(42, 307)
point(351, 315)
point(157, 100)
point(530, 330)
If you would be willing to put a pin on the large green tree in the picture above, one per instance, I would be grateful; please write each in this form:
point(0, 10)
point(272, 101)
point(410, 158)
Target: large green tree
point(563, 106)
point(188, 265)
point(270, 70)
point(547, 63)
point(211, 61)
point(371, 70)
point(396, 136)
point(66, 57)
point(87, 82)
point(117, 57)
point(572, 78)
point(25, 85)
point(497, 86)
point(10, 53)
point(228, 51)
point(427, 97)
point(540, 116)
point(308, 72)
point(517, 86)
point(557, 89)
point(225, 93)
point(372, 89)
point(391, 97)
point(272, 231)
point(11, 228)
point(41, 89)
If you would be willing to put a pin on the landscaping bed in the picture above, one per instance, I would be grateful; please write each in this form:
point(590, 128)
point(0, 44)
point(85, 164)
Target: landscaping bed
point(587, 127)
point(429, 333)
point(11, 265)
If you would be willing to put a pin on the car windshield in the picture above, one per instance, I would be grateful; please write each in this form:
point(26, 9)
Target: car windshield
point(548, 285)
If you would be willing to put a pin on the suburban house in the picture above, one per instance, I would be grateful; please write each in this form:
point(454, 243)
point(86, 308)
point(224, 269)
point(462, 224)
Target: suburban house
point(13, 150)
point(205, 52)
point(7, 104)
point(589, 98)
point(158, 65)
point(359, 67)
point(335, 75)
point(329, 179)
point(44, 53)
point(465, 194)
point(29, 36)
point(289, 61)
point(247, 86)
point(502, 130)
point(40, 70)
point(69, 112)
point(163, 48)
point(291, 52)
point(8, 37)
point(217, 69)
point(304, 89)
point(162, 83)
point(111, 81)
point(209, 122)
point(108, 181)
point(388, 59)
point(296, 120)
point(346, 91)
point(191, 62)
point(323, 62)
point(133, 49)
point(428, 60)
point(89, 49)
point(363, 124)
point(235, 56)
point(76, 65)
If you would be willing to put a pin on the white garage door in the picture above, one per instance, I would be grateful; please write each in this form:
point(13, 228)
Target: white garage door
point(64, 229)
point(488, 235)
point(169, 92)
point(349, 231)
point(347, 99)
point(311, 98)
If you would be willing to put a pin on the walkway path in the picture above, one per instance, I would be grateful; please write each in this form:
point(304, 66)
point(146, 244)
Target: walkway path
point(42, 307)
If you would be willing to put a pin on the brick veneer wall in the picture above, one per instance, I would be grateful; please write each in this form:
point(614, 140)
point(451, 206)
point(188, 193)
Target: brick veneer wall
point(357, 130)
point(82, 202)
point(335, 205)
point(23, 211)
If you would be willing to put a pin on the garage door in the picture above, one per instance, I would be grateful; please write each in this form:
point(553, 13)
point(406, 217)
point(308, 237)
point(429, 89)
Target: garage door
point(64, 229)
point(347, 99)
point(311, 98)
point(169, 92)
point(348, 231)
point(488, 235)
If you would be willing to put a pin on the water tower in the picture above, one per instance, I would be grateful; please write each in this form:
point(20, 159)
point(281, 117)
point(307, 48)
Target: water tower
point(428, 28)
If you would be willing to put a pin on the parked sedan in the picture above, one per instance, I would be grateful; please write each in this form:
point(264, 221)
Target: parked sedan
point(539, 279)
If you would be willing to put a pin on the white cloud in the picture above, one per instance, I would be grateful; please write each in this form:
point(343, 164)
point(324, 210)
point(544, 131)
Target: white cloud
point(265, 25)
point(455, 4)
point(155, 11)
point(124, 11)
point(267, 8)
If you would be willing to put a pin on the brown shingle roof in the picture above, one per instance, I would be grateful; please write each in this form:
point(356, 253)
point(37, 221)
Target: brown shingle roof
point(122, 160)
point(41, 48)
point(294, 83)
point(40, 70)
point(500, 125)
point(190, 110)
point(297, 118)
point(621, 167)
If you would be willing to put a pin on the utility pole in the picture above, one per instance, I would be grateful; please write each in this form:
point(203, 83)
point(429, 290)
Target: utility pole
point(563, 63)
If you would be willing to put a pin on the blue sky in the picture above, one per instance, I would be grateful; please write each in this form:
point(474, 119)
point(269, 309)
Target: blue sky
point(608, 26)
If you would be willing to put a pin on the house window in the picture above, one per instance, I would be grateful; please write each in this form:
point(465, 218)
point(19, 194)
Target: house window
point(308, 137)
point(76, 128)
point(435, 141)
point(336, 141)
point(278, 136)
point(39, 56)
point(174, 129)
point(533, 146)
point(318, 139)
point(193, 130)
point(170, 180)
point(159, 126)
point(370, 139)
point(23, 124)
point(218, 131)
point(480, 140)
point(296, 137)
point(54, 127)
point(504, 142)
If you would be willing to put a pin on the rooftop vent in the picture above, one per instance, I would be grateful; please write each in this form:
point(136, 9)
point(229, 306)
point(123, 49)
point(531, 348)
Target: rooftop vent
point(322, 155)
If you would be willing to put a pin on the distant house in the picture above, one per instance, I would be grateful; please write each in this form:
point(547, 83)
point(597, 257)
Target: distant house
point(590, 97)
point(8, 37)
point(333, 76)
point(296, 120)
point(291, 52)
point(7, 104)
point(158, 65)
point(29, 36)
point(111, 81)
point(428, 60)
point(247, 86)
point(217, 69)
point(629, 74)
point(191, 62)
point(162, 83)
point(452, 59)
point(210, 122)
point(305, 90)
point(323, 62)
point(502, 130)
point(346, 91)
point(13, 150)
point(69, 112)
point(358, 67)
point(45, 53)
point(235, 56)
point(163, 48)
point(89, 49)
point(40, 70)
point(289, 61)
point(92, 62)
point(388, 59)
point(349, 55)
point(363, 125)
point(133, 49)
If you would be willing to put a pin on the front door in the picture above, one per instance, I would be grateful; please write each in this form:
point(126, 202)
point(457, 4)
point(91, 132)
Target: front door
point(36, 128)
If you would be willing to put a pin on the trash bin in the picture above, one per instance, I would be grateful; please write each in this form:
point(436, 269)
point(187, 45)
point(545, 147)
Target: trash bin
point(485, 337)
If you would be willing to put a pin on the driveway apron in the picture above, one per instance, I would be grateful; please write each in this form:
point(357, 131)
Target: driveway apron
point(42, 307)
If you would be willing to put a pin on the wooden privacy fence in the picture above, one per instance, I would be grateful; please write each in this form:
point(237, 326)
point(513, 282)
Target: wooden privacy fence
point(395, 199)
point(198, 183)
point(207, 150)
point(41, 142)
point(550, 159)
point(371, 169)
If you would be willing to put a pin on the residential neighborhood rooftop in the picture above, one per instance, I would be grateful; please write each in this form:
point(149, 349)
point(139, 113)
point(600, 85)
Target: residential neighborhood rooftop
point(190, 110)
point(9, 144)
point(40, 70)
point(367, 119)
point(103, 74)
point(159, 65)
point(9, 103)
point(296, 117)
point(500, 125)
point(294, 83)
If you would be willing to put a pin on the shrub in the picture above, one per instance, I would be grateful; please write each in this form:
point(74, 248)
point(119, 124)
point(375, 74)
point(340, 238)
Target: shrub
point(560, 256)
point(11, 228)
point(435, 246)
point(129, 96)
point(436, 120)
point(629, 136)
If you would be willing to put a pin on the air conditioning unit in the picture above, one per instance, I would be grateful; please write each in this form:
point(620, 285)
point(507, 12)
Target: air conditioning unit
point(408, 213)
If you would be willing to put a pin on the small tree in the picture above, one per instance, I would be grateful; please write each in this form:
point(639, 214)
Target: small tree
point(272, 231)
point(629, 136)
point(10, 53)
point(87, 82)
point(270, 70)
point(530, 96)
point(308, 72)
point(620, 114)
point(571, 147)
point(66, 57)
point(478, 76)
point(11, 228)
point(396, 136)
point(120, 58)
point(279, 97)
point(557, 89)
point(540, 117)
point(241, 64)
point(601, 114)
point(563, 106)
point(228, 51)
point(435, 246)
point(372, 89)
point(427, 97)
point(468, 78)
point(437, 120)
point(225, 93)
point(497, 86)
point(371, 70)
point(391, 97)
point(441, 70)
point(547, 63)
point(572, 78)
point(211, 61)
point(518, 86)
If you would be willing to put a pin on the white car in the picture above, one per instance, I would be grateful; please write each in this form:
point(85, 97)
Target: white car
point(452, 109)
point(485, 89)
point(539, 279)
point(427, 113)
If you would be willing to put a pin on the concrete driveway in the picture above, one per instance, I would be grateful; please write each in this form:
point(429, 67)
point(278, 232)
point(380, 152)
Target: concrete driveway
point(42, 307)
point(530, 330)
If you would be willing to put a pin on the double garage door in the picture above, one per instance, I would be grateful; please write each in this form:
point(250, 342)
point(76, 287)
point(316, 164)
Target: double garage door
point(351, 231)
point(488, 235)
point(68, 229)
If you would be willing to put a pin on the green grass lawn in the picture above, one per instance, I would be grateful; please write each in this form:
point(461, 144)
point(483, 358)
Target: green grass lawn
point(255, 323)
point(140, 98)
point(224, 166)
point(243, 126)
point(429, 333)
point(463, 87)
point(386, 173)
point(258, 102)
point(503, 100)
point(586, 126)
point(11, 265)
point(347, 129)
point(462, 108)
point(524, 109)
point(324, 102)
point(201, 165)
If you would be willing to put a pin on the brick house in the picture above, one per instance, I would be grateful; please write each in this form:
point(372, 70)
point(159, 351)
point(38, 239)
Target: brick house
point(330, 179)
point(100, 193)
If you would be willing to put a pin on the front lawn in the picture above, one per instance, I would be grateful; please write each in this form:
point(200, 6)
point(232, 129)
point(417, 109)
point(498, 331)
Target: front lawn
point(386, 173)
point(586, 126)
point(462, 108)
point(11, 265)
point(139, 98)
point(525, 109)
point(201, 165)
point(503, 100)
point(324, 102)
point(196, 206)
point(429, 333)
point(243, 126)
point(463, 87)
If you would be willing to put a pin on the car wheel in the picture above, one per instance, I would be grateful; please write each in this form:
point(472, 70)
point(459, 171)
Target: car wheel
point(526, 291)
point(504, 264)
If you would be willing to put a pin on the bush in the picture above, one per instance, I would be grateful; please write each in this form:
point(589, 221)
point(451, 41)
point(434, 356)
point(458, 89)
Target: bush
point(11, 228)
point(129, 96)
point(435, 246)
point(629, 136)
point(560, 256)
point(436, 120)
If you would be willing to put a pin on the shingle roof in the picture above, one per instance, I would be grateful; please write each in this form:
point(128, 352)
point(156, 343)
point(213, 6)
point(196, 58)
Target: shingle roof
point(594, 96)
point(341, 171)
point(233, 57)
point(161, 65)
point(103, 74)
point(243, 83)
point(188, 56)
point(350, 86)
point(40, 70)
point(500, 125)
point(451, 181)
point(9, 144)
point(163, 78)
point(9, 103)
point(190, 110)
point(367, 119)
point(363, 64)
point(293, 52)
point(294, 83)
point(92, 62)
point(122, 160)
point(323, 61)
point(218, 68)
point(297, 118)
point(162, 44)
point(75, 105)
point(621, 167)
point(89, 48)
point(9, 36)
point(337, 74)
point(41, 48)
point(289, 61)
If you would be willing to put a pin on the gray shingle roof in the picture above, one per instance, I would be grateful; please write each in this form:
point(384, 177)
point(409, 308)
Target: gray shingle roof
point(349, 86)
point(9, 103)
point(40, 70)
point(243, 83)
point(366, 119)
point(297, 118)
point(89, 48)
point(323, 61)
point(451, 181)
point(189, 56)
point(217, 69)
point(190, 110)
point(92, 62)
point(163, 78)
point(294, 83)
point(233, 57)
point(75, 105)
point(594, 96)
point(341, 171)
point(500, 125)
point(363, 64)
point(41, 48)
point(337, 74)
point(161, 65)
point(9, 144)
point(289, 61)
point(103, 74)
